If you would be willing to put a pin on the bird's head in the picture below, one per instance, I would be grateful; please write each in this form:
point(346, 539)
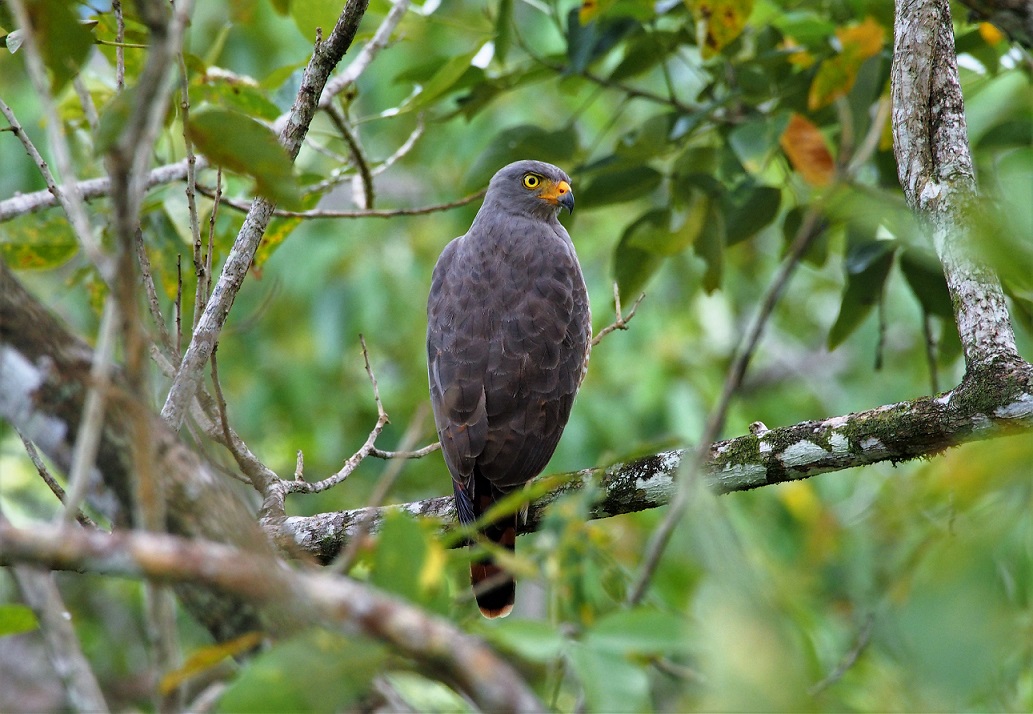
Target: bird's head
point(533, 187)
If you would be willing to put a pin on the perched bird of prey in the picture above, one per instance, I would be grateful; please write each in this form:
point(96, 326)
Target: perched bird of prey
point(508, 337)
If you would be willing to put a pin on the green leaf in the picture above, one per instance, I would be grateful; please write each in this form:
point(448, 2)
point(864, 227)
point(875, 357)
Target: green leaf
point(638, 631)
point(710, 247)
point(925, 277)
point(521, 142)
point(113, 118)
point(503, 30)
point(611, 683)
point(241, 144)
point(233, 92)
point(38, 242)
point(756, 141)
point(443, 80)
point(617, 184)
point(310, 14)
point(748, 209)
point(314, 671)
point(63, 40)
point(16, 619)
point(868, 264)
point(533, 640)
point(818, 250)
point(409, 563)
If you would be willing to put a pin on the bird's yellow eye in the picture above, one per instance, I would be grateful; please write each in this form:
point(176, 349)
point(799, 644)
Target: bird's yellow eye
point(532, 181)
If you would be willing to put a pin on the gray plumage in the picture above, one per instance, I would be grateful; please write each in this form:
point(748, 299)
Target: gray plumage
point(508, 336)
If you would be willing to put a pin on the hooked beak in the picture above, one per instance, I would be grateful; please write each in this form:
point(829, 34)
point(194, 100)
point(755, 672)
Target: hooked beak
point(559, 194)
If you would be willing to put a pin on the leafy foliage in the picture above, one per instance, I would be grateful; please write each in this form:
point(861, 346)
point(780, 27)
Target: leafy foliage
point(699, 135)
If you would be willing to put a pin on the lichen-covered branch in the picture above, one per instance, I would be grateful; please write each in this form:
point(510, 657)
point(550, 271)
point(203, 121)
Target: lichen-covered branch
point(1002, 404)
point(934, 164)
point(305, 595)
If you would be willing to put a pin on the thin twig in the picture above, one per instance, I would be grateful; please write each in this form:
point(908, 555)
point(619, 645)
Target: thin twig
point(402, 150)
point(930, 351)
point(358, 155)
point(344, 562)
point(87, 439)
point(65, 652)
point(715, 422)
point(417, 454)
point(365, 56)
point(191, 370)
point(152, 295)
point(377, 213)
point(120, 51)
point(621, 322)
point(355, 459)
point(50, 481)
point(863, 638)
point(89, 109)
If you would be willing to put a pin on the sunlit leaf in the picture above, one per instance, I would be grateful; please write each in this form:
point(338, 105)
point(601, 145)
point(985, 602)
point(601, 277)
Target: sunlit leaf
point(230, 91)
point(837, 74)
point(16, 619)
point(718, 22)
point(443, 80)
point(239, 143)
point(806, 150)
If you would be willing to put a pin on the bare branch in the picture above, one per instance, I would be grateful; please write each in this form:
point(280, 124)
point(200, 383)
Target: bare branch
point(308, 595)
point(358, 156)
point(50, 481)
point(863, 638)
point(90, 189)
point(365, 56)
point(41, 594)
point(417, 454)
point(621, 323)
point(206, 333)
point(301, 486)
point(377, 213)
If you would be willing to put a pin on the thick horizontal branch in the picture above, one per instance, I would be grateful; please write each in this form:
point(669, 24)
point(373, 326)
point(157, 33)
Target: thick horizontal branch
point(267, 583)
point(989, 404)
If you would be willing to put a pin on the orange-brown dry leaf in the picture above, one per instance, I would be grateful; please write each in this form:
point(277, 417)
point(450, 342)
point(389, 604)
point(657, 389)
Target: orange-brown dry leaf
point(805, 147)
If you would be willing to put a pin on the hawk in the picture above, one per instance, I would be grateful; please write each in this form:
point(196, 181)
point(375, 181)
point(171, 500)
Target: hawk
point(508, 337)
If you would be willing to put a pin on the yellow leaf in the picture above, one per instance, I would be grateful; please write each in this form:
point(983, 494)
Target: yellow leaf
point(867, 38)
point(805, 147)
point(208, 657)
point(798, 55)
point(837, 74)
point(718, 22)
point(990, 34)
